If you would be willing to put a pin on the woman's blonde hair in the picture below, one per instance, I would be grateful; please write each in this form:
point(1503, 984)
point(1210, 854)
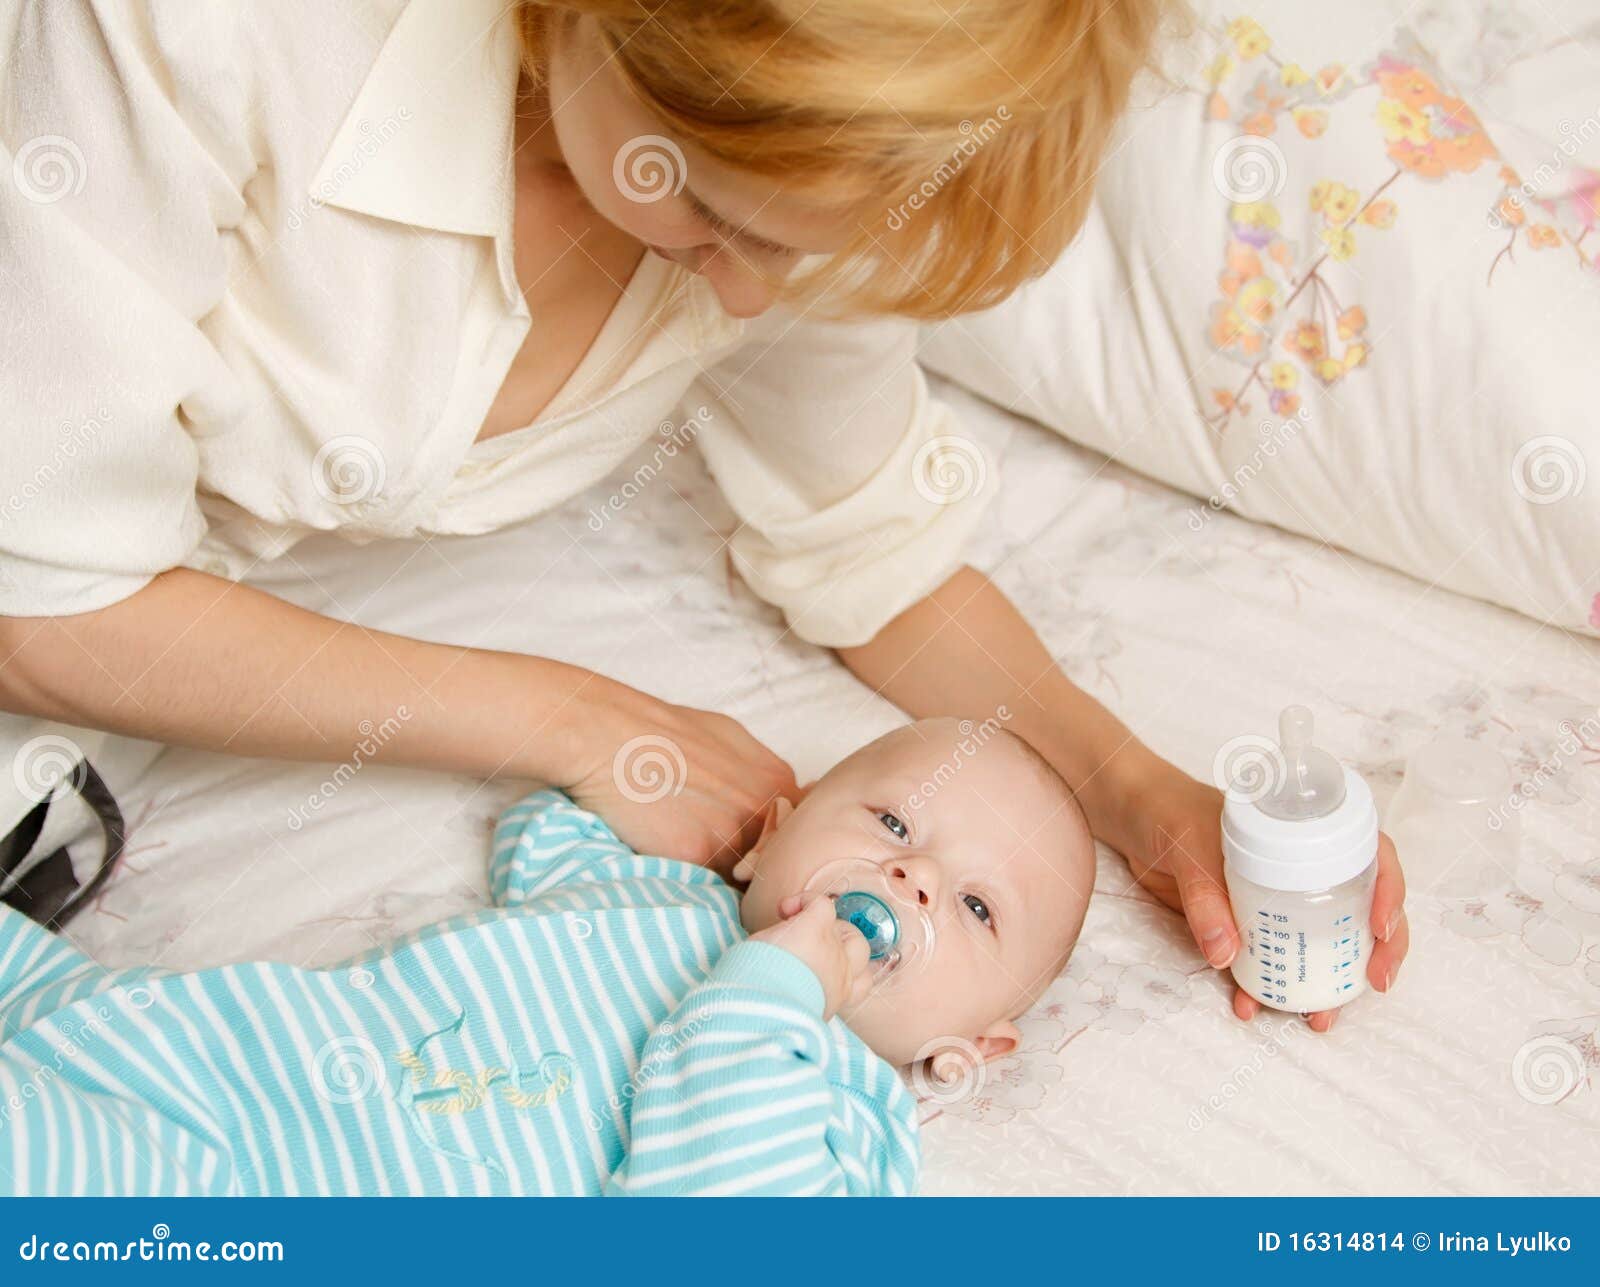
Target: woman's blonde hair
point(966, 137)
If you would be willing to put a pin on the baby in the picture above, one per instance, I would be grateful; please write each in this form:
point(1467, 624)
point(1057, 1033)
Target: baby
point(617, 1023)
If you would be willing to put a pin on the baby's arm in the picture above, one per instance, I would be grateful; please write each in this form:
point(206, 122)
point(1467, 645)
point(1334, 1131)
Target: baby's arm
point(733, 1095)
point(544, 842)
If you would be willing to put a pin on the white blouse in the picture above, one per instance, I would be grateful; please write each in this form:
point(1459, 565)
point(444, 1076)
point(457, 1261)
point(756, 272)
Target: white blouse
point(256, 266)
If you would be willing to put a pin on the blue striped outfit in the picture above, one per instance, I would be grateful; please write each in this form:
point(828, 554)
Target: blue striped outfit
point(605, 1028)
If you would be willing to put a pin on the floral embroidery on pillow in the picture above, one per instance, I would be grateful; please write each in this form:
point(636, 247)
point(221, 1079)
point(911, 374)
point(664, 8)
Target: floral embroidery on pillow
point(1276, 317)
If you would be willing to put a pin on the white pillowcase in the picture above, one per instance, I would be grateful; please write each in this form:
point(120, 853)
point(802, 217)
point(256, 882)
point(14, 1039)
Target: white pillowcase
point(1318, 288)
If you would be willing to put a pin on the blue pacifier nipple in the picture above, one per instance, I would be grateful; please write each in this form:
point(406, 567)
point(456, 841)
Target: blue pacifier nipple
point(899, 931)
point(871, 915)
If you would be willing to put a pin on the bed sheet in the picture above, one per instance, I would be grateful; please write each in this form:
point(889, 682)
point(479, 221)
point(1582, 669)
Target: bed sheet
point(1477, 1076)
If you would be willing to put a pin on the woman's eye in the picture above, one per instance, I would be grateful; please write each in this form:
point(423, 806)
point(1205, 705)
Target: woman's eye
point(978, 908)
point(895, 825)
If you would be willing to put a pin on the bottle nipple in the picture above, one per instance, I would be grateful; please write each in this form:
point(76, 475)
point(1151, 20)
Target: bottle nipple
point(1313, 781)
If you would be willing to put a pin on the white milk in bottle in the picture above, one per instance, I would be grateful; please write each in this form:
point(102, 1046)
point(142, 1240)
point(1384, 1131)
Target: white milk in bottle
point(1301, 862)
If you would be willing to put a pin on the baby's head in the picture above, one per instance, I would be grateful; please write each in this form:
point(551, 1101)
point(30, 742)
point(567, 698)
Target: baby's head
point(974, 826)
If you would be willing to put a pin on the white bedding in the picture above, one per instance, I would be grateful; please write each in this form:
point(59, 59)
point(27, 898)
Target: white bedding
point(1136, 1078)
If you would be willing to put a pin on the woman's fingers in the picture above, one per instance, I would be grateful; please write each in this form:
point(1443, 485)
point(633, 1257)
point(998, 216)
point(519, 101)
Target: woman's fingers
point(1196, 865)
point(1245, 1005)
point(1387, 956)
point(1389, 893)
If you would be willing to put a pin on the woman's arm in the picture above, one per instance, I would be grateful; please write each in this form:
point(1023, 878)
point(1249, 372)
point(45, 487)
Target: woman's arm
point(964, 650)
point(199, 661)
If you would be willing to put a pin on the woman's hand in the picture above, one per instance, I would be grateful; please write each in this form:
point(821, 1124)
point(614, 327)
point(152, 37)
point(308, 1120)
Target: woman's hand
point(672, 780)
point(1180, 862)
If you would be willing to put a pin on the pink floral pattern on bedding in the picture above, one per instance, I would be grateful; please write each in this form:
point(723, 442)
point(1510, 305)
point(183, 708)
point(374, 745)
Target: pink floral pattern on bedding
point(1278, 313)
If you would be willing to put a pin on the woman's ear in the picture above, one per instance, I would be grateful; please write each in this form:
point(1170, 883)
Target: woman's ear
point(745, 869)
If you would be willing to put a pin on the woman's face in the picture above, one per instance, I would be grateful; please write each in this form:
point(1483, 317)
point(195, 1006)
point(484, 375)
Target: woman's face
point(730, 227)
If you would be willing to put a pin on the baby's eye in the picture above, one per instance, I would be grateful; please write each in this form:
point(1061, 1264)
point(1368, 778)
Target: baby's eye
point(978, 908)
point(895, 825)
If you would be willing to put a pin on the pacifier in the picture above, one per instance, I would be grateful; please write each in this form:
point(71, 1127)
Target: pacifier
point(898, 930)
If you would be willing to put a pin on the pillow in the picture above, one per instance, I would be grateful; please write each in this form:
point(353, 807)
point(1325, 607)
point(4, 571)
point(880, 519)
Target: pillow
point(1317, 290)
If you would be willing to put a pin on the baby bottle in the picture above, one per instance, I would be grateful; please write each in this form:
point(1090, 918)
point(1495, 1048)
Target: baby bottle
point(898, 930)
point(1301, 862)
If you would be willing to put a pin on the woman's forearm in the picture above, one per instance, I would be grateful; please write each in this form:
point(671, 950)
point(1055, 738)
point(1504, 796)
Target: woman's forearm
point(965, 651)
point(198, 661)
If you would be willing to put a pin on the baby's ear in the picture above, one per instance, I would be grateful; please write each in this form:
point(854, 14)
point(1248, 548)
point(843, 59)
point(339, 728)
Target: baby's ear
point(953, 1064)
point(777, 811)
point(998, 1040)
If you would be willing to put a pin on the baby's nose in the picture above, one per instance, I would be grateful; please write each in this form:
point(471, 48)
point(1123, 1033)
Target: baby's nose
point(915, 880)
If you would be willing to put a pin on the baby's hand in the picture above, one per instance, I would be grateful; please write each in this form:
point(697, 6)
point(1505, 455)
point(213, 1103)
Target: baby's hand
point(835, 950)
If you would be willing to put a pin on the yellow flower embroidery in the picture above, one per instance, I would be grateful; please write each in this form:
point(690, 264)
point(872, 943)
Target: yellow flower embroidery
point(1401, 123)
point(1293, 75)
point(1341, 242)
point(1283, 376)
point(1248, 38)
point(1337, 202)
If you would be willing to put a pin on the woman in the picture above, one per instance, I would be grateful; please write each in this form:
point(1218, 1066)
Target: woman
point(399, 270)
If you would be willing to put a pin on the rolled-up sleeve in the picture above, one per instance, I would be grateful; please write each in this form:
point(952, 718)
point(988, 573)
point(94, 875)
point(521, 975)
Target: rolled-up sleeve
point(114, 183)
point(856, 490)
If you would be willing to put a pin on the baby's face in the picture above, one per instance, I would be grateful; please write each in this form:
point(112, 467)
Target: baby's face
point(996, 853)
